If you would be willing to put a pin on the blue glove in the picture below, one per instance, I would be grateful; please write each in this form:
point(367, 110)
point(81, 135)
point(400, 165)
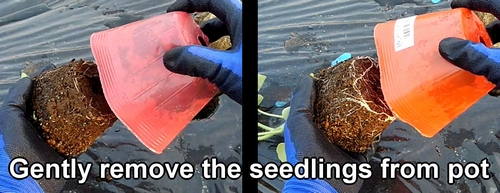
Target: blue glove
point(18, 138)
point(476, 57)
point(304, 140)
point(222, 68)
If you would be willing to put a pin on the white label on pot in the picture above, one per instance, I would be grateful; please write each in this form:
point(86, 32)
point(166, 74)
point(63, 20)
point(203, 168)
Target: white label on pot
point(404, 33)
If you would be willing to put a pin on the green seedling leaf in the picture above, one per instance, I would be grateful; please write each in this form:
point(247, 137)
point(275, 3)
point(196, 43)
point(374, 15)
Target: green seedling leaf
point(261, 79)
point(24, 75)
point(285, 112)
point(259, 98)
point(280, 150)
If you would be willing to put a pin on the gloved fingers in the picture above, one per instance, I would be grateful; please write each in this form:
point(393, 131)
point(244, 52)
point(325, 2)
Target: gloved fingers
point(489, 6)
point(228, 11)
point(20, 136)
point(19, 92)
point(473, 57)
point(304, 140)
point(362, 157)
point(493, 30)
point(302, 137)
point(304, 96)
point(188, 60)
point(214, 29)
point(299, 124)
point(300, 127)
point(495, 91)
point(23, 140)
point(220, 68)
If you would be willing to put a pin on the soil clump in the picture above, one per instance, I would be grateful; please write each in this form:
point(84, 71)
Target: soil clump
point(69, 107)
point(350, 106)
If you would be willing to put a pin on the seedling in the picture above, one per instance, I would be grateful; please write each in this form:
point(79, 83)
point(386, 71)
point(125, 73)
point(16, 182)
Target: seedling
point(269, 131)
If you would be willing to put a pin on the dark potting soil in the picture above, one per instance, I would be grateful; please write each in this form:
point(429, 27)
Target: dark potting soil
point(70, 108)
point(350, 106)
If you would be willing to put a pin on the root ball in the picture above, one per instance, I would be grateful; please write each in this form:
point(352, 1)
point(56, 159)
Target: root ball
point(69, 107)
point(350, 106)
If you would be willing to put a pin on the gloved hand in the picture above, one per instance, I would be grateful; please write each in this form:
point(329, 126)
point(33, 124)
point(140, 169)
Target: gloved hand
point(476, 57)
point(304, 140)
point(18, 138)
point(222, 68)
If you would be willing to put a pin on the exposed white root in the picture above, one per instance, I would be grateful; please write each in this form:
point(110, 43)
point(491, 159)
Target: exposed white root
point(363, 103)
point(76, 84)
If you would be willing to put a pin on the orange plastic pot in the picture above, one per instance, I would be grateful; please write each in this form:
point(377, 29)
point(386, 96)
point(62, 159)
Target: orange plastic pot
point(422, 88)
point(152, 102)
